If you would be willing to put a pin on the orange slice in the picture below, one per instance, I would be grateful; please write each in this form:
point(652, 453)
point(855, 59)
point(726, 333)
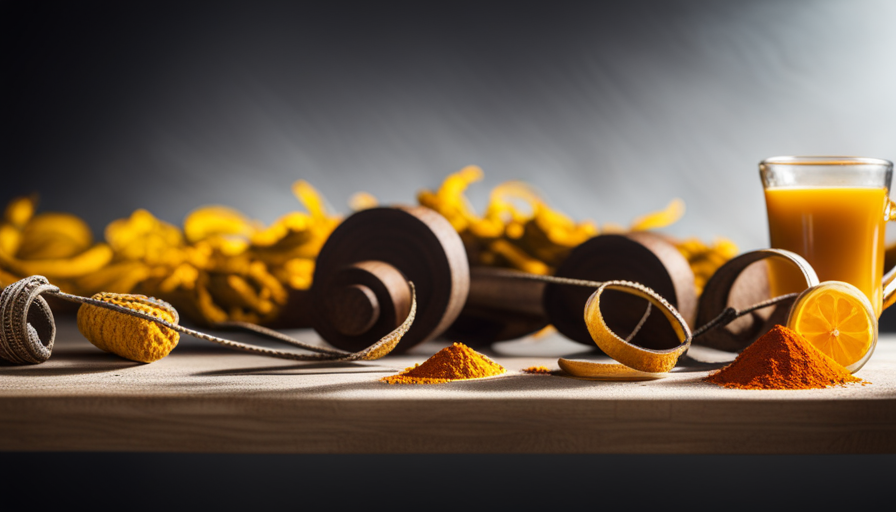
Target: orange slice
point(838, 319)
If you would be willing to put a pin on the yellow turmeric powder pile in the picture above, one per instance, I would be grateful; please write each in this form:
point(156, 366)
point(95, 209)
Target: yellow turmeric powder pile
point(537, 370)
point(457, 362)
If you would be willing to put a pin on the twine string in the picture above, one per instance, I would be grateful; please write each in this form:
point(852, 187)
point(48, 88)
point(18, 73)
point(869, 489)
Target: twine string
point(20, 343)
point(27, 333)
point(724, 318)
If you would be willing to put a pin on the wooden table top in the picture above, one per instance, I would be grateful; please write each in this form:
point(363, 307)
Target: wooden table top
point(203, 398)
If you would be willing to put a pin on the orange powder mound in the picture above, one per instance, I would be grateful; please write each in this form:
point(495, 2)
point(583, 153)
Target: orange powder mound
point(537, 369)
point(782, 359)
point(457, 362)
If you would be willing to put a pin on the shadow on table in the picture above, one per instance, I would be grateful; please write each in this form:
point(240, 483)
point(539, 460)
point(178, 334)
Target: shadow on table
point(309, 368)
point(71, 361)
point(516, 383)
point(688, 364)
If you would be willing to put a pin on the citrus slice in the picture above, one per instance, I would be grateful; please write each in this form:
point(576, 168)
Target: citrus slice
point(837, 318)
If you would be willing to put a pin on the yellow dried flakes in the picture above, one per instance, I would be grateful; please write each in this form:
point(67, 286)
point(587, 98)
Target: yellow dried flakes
point(58, 246)
point(217, 221)
point(705, 259)
point(519, 230)
point(660, 219)
point(362, 201)
point(19, 211)
point(221, 265)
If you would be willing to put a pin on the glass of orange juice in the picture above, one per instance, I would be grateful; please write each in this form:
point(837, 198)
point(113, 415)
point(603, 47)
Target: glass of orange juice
point(832, 211)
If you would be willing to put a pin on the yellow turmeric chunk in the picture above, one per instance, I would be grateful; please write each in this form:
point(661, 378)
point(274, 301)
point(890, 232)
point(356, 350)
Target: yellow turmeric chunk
point(122, 277)
point(54, 235)
point(705, 259)
point(660, 219)
point(125, 335)
point(450, 201)
point(362, 201)
point(20, 210)
point(145, 238)
point(296, 273)
point(212, 221)
point(311, 198)
point(10, 240)
point(85, 263)
point(518, 258)
point(56, 245)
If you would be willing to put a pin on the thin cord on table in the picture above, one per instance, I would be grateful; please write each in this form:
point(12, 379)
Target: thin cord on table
point(323, 353)
point(727, 316)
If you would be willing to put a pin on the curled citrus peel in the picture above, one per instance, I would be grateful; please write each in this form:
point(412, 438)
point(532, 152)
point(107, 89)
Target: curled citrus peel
point(633, 356)
point(659, 361)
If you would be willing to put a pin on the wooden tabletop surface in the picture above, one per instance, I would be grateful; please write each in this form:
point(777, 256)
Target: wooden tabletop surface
point(203, 398)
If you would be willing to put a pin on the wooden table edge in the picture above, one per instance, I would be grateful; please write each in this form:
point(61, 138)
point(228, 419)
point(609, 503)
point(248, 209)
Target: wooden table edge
point(280, 424)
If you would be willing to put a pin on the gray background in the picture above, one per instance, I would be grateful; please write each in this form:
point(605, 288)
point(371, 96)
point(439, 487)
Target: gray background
point(610, 109)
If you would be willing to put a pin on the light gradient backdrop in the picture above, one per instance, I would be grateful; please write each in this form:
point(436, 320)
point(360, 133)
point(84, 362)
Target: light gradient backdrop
point(611, 110)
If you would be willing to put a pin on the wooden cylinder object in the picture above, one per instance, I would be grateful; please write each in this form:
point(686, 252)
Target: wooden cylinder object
point(641, 257)
point(359, 292)
point(499, 307)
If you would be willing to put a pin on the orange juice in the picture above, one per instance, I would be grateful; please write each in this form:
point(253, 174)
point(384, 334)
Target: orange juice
point(839, 230)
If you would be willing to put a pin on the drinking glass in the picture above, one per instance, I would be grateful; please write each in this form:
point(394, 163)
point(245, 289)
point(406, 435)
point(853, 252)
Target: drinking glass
point(832, 211)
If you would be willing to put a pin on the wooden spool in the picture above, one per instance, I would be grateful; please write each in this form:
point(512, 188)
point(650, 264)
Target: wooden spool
point(740, 283)
point(359, 292)
point(643, 258)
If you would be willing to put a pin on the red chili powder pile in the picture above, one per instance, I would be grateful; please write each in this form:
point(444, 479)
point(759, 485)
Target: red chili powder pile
point(782, 359)
point(457, 362)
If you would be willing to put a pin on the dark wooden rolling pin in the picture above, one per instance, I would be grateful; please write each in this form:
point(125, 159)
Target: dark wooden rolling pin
point(360, 292)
